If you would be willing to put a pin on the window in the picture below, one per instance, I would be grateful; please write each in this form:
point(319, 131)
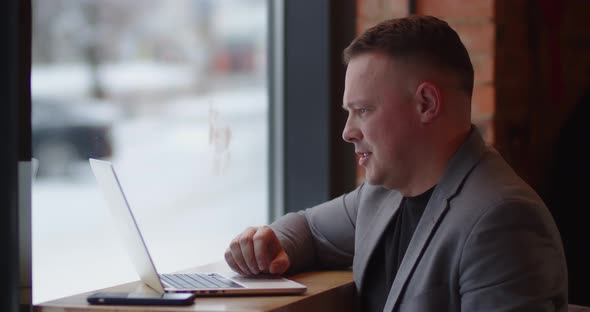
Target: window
point(174, 93)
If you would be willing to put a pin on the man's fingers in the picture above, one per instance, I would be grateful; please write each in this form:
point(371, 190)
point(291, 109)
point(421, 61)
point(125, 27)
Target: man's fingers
point(247, 247)
point(264, 247)
point(236, 252)
point(270, 254)
point(257, 250)
point(229, 258)
point(280, 264)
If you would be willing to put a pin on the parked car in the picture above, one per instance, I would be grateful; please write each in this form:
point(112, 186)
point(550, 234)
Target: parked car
point(65, 134)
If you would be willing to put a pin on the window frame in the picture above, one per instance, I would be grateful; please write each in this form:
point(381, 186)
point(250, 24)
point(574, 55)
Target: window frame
point(310, 162)
point(16, 140)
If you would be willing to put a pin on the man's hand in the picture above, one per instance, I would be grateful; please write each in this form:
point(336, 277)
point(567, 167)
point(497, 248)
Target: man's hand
point(257, 250)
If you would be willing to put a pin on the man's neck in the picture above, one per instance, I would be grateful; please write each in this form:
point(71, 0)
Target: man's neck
point(431, 167)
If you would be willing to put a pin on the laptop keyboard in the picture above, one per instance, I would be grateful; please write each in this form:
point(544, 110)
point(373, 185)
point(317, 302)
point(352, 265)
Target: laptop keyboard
point(198, 280)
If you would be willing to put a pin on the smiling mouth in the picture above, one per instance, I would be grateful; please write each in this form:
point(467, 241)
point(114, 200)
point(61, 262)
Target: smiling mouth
point(363, 159)
point(363, 155)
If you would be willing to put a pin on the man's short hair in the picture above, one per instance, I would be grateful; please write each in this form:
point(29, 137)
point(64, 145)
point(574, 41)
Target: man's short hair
point(420, 40)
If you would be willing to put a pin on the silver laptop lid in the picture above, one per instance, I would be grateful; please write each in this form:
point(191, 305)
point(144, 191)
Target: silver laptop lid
point(119, 207)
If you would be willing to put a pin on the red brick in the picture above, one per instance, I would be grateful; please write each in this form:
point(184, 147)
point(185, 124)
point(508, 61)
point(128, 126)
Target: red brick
point(483, 65)
point(364, 23)
point(483, 101)
point(367, 9)
point(477, 37)
point(396, 8)
point(379, 10)
point(456, 9)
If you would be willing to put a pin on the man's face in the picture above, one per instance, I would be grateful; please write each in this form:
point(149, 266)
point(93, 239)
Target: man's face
point(383, 122)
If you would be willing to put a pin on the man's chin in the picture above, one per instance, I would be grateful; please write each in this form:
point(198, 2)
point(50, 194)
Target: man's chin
point(378, 181)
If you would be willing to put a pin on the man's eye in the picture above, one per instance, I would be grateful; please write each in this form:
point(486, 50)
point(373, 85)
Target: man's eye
point(363, 110)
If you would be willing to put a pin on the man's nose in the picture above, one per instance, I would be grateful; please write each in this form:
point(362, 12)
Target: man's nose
point(351, 133)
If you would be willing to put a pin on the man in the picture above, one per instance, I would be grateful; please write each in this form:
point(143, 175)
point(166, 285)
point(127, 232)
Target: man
point(441, 223)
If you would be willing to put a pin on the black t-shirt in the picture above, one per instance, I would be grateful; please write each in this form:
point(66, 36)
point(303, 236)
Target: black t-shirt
point(390, 251)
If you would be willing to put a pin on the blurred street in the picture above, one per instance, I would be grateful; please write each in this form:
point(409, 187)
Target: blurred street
point(187, 211)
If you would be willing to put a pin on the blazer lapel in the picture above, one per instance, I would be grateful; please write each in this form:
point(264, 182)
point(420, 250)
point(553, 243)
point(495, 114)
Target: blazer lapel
point(459, 167)
point(371, 236)
point(434, 212)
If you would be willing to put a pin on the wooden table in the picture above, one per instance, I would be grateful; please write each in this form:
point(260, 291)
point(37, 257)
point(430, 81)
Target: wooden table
point(326, 291)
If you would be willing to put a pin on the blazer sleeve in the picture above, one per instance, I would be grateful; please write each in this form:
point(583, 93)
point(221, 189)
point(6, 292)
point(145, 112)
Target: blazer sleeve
point(513, 261)
point(321, 236)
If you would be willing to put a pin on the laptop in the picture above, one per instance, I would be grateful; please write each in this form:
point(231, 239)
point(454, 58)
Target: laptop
point(212, 283)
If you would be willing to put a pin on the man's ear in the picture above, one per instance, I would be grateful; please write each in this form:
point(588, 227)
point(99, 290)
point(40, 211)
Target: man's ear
point(428, 98)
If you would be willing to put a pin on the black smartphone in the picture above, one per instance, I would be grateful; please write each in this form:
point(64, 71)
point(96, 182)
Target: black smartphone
point(123, 298)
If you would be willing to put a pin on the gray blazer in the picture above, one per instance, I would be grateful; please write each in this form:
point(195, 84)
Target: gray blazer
point(486, 241)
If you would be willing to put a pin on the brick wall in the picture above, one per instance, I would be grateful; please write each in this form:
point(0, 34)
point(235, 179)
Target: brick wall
point(371, 12)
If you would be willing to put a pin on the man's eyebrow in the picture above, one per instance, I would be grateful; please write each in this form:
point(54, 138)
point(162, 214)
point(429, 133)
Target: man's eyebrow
point(354, 104)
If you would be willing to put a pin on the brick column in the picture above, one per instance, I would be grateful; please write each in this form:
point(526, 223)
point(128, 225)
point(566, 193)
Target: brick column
point(473, 21)
point(371, 12)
